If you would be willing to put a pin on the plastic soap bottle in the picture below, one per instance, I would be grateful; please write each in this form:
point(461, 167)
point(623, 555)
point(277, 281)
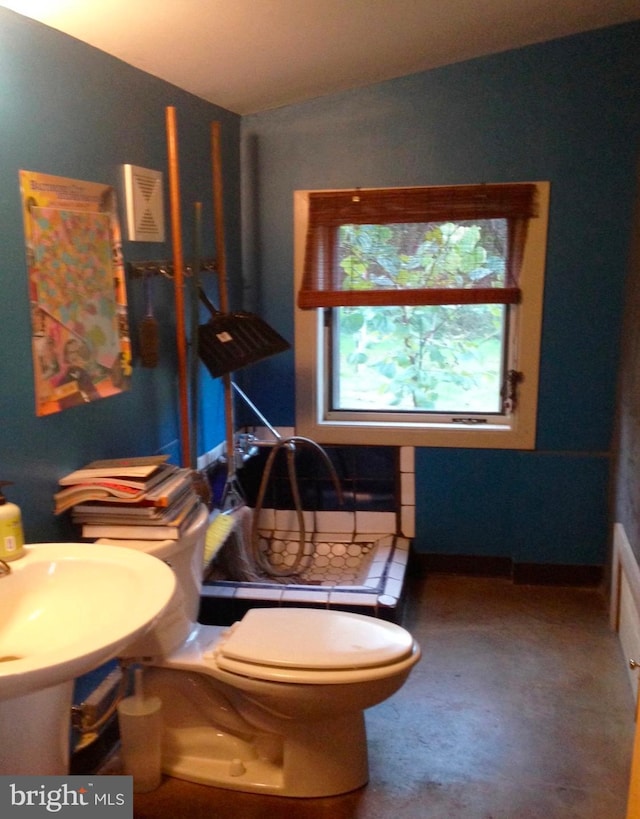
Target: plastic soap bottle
point(11, 535)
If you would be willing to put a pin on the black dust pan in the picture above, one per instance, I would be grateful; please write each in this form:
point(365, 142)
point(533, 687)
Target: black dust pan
point(230, 341)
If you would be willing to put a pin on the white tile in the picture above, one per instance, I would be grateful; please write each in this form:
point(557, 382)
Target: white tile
point(247, 593)
point(401, 558)
point(351, 599)
point(376, 570)
point(407, 488)
point(335, 522)
point(396, 571)
point(298, 595)
point(407, 459)
point(408, 521)
point(376, 522)
point(393, 587)
point(287, 520)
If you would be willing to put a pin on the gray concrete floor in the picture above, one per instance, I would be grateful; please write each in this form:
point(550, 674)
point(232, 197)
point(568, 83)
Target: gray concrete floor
point(520, 708)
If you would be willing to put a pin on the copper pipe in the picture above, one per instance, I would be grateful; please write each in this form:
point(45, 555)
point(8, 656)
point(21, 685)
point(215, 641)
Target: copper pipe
point(218, 211)
point(195, 306)
point(178, 273)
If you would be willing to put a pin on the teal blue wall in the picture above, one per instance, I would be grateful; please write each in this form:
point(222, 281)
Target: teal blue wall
point(567, 111)
point(70, 110)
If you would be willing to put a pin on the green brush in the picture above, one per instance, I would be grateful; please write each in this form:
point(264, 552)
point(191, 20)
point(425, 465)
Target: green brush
point(218, 531)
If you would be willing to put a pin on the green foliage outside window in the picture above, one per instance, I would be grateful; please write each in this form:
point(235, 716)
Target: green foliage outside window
point(438, 358)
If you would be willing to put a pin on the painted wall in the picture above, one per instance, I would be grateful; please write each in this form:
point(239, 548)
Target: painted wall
point(627, 438)
point(567, 111)
point(70, 110)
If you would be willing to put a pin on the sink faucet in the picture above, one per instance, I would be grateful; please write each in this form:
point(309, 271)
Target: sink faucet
point(5, 568)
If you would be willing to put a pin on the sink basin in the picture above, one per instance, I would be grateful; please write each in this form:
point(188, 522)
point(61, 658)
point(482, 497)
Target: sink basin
point(67, 608)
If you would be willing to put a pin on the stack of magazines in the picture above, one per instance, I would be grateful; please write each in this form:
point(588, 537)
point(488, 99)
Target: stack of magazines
point(129, 499)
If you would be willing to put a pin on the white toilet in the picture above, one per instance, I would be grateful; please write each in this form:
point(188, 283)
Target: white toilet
point(274, 704)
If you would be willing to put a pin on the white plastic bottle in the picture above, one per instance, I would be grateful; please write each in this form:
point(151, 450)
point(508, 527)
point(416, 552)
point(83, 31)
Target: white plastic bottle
point(11, 534)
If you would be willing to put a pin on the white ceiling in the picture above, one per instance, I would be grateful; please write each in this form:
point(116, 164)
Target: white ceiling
point(252, 55)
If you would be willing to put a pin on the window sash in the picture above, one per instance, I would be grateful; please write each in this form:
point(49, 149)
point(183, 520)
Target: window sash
point(322, 284)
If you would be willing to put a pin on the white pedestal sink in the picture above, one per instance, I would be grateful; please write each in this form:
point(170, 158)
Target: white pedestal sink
point(65, 609)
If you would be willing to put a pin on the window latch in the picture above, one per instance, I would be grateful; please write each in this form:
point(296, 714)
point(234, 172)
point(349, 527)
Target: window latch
point(509, 391)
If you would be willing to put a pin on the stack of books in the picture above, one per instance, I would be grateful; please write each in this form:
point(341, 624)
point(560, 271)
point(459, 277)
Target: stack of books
point(129, 499)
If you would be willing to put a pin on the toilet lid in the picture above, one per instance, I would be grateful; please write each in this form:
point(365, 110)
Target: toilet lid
point(313, 640)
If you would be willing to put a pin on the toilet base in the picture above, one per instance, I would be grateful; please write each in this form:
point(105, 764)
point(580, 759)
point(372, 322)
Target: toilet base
point(306, 769)
point(207, 741)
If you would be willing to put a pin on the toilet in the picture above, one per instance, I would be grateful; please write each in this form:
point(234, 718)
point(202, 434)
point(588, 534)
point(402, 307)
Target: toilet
point(273, 704)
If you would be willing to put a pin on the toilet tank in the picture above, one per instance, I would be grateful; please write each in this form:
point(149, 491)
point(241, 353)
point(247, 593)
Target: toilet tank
point(185, 556)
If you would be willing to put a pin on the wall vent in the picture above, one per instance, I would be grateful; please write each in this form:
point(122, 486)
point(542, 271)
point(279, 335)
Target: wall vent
point(144, 204)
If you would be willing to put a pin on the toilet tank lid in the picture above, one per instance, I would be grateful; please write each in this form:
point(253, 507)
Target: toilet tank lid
point(158, 548)
point(315, 639)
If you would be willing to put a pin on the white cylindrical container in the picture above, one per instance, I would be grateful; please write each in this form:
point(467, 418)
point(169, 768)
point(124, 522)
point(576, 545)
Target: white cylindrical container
point(11, 534)
point(140, 722)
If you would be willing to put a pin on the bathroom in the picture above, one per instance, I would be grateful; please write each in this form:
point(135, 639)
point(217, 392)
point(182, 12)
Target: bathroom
point(537, 515)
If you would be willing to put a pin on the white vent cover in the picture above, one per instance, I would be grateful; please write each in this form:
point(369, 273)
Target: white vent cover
point(144, 203)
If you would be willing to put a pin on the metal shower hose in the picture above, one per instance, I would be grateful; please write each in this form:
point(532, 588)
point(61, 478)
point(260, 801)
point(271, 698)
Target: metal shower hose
point(290, 444)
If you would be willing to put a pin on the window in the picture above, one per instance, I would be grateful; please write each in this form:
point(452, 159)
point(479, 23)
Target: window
point(419, 314)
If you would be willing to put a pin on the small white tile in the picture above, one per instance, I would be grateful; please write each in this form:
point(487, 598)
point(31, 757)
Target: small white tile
point(299, 595)
point(408, 521)
point(287, 520)
point(401, 558)
point(375, 522)
point(407, 488)
point(407, 459)
point(383, 554)
point(247, 593)
point(393, 587)
point(335, 522)
point(376, 570)
point(396, 571)
point(351, 599)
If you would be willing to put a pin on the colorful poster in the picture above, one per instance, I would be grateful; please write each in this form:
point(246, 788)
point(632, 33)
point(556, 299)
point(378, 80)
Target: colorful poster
point(81, 344)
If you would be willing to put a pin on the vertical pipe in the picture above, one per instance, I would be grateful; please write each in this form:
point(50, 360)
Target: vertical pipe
point(178, 273)
point(194, 361)
point(218, 210)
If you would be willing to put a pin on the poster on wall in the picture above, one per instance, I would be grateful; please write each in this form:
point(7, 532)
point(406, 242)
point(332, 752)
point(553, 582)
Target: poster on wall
point(77, 290)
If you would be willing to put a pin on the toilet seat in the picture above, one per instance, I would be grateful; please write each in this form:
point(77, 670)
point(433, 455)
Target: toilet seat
point(313, 646)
